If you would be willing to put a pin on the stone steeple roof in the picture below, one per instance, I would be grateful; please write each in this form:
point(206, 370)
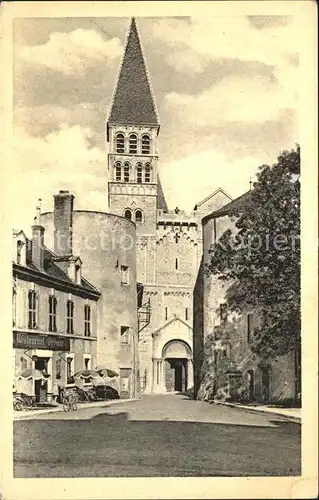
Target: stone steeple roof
point(161, 202)
point(133, 101)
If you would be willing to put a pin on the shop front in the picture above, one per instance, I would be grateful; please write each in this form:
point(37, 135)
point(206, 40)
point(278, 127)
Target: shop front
point(37, 351)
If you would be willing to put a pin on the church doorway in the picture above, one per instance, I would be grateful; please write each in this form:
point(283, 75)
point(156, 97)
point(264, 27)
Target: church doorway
point(176, 374)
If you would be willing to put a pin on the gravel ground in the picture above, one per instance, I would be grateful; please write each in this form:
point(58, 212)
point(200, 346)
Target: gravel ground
point(167, 435)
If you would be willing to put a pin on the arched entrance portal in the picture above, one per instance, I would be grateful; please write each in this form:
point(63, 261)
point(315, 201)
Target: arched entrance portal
point(177, 358)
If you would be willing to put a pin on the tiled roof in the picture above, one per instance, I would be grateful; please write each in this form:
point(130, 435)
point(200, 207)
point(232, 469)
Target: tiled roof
point(233, 206)
point(211, 195)
point(52, 270)
point(133, 101)
point(161, 202)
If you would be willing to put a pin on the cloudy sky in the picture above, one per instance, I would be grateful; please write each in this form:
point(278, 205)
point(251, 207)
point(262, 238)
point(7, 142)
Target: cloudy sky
point(225, 88)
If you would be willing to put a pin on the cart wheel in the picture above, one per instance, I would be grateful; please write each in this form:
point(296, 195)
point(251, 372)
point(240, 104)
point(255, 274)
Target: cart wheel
point(17, 405)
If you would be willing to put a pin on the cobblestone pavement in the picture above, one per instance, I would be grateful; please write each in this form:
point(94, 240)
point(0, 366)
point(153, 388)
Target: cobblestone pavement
point(168, 435)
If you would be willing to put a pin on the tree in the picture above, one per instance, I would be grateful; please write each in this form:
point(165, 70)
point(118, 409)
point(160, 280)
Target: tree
point(260, 258)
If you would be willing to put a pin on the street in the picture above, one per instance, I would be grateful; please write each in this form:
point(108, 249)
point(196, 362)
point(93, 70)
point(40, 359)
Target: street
point(165, 435)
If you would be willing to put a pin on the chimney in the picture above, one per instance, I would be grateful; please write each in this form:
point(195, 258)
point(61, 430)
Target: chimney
point(63, 211)
point(37, 240)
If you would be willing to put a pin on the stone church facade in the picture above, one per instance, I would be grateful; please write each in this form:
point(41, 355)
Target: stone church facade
point(168, 242)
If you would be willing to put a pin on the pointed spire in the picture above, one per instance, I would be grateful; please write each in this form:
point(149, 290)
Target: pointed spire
point(133, 101)
point(161, 202)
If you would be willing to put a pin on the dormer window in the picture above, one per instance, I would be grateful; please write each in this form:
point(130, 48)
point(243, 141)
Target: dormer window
point(126, 172)
point(118, 171)
point(78, 274)
point(119, 143)
point(146, 145)
point(133, 144)
point(20, 245)
point(139, 171)
point(147, 173)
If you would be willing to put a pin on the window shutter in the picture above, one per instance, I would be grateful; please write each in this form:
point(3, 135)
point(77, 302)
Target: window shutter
point(22, 307)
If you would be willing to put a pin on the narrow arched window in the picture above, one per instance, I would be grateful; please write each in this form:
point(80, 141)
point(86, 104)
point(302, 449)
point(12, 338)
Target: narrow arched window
point(138, 216)
point(128, 214)
point(119, 140)
point(118, 171)
point(133, 144)
point(126, 172)
point(146, 144)
point(139, 171)
point(147, 173)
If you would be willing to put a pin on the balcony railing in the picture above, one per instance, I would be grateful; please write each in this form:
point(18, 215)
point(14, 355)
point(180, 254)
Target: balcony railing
point(144, 315)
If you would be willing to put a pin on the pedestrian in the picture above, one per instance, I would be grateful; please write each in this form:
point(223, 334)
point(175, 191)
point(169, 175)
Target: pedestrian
point(55, 391)
point(58, 388)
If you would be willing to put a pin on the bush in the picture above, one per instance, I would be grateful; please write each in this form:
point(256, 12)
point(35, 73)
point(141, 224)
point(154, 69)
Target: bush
point(221, 395)
point(206, 391)
point(242, 394)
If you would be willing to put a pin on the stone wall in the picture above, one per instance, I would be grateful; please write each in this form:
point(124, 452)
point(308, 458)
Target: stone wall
point(198, 328)
point(106, 242)
point(135, 197)
point(43, 294)
point(227, 343)
point(81, 347)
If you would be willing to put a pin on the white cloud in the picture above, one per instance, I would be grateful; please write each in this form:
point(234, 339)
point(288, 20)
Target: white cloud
point(61, 160)
point(199, 175)
point(65, 160)
point(206, 39)
point(46, 115)
point(73, 52)
point(237, 99)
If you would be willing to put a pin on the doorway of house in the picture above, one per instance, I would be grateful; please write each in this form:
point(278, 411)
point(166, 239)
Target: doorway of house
point(125, 382)
point(176, 374)
point(265, 383)
point(41, 386)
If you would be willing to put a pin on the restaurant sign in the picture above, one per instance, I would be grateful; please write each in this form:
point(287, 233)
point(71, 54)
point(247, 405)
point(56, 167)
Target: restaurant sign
point(23, 340)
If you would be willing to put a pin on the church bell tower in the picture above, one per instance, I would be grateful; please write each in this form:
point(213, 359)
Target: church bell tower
point(132, 131)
